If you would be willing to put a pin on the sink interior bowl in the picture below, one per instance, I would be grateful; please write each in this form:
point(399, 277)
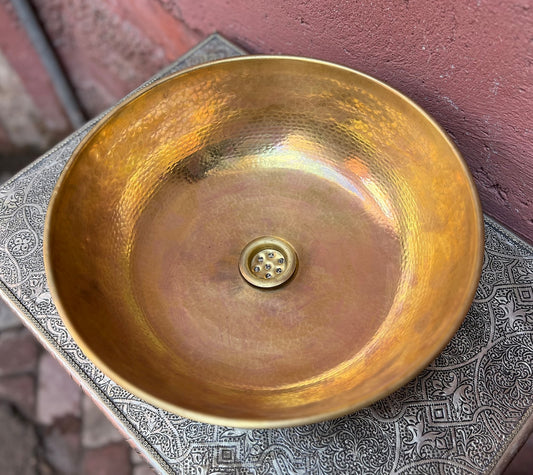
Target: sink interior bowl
point(146, 230)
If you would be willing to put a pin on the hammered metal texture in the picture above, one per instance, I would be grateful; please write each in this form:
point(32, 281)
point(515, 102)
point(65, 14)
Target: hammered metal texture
point(458, 416)
point(147, 225)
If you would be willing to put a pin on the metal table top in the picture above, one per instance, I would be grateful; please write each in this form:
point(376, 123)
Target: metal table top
point(466, 413)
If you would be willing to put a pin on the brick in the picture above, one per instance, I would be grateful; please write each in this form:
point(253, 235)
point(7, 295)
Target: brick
point(522, 463)
point(18, 352)
point(143, 469)
point(7, 318)
point(57, 395)
point(20, 117)
point(112, 459)
point(4, 176)
point(140, 465)
point(109, 48)
point(25, 61)
point(20, 391)
point(135, 457)
point(97, 430)
point(18, 443)
point(62, 445)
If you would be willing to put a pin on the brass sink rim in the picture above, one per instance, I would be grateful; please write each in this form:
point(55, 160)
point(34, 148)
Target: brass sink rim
point(251, 422)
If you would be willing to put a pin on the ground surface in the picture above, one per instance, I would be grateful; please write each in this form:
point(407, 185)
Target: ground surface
point(47, 424)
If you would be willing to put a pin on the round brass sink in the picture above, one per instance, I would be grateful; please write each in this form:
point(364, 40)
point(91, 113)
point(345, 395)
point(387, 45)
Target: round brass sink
point(162, 227)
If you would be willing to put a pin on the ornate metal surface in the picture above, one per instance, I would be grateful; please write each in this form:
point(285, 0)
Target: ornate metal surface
point(458, 416)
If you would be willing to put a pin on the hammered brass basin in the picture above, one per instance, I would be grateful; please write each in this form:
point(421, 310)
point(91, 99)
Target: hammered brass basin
point(164, 242)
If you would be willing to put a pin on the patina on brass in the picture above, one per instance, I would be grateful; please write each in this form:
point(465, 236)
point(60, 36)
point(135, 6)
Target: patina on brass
point(148, 222)
point(268, 262)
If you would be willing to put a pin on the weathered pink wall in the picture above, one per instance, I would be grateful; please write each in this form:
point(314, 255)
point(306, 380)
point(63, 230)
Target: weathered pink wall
point(468, 62)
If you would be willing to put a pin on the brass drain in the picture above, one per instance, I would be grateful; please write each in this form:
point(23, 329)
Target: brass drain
point(268, 262)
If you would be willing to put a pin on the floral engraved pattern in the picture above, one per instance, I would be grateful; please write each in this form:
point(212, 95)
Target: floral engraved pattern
point(461, 394)
point(516, 317)
point(10, 197)
point(421, 439)
point(22, 243)
point(457, 416)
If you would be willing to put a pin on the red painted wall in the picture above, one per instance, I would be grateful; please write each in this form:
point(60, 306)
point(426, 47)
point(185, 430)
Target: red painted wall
point(467, 62)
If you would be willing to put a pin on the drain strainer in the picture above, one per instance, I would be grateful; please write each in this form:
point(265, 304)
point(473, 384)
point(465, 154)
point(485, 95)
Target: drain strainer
point(268, 262)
